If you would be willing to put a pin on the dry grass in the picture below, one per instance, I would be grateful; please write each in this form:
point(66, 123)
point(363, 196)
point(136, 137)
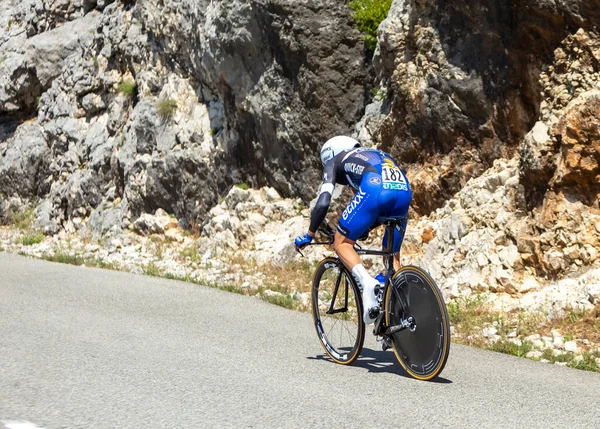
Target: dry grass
point(578, 324)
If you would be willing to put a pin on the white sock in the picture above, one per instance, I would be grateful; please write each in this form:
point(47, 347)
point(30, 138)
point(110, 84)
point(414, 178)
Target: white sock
point(368, 285)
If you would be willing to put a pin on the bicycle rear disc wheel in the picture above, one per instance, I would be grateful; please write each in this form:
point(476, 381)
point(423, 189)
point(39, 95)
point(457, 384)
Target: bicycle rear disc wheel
point(423, 348)
point(337, 311)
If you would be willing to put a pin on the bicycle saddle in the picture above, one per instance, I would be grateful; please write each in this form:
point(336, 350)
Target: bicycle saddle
point(395, 220)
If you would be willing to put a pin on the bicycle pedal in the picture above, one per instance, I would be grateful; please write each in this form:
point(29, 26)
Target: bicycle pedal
point(378, 325)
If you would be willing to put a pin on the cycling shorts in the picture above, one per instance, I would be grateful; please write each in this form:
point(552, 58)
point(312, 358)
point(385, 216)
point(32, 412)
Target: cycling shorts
point(377, 196)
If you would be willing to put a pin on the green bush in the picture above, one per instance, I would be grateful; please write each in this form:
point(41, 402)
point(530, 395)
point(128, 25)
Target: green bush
point(368, 14)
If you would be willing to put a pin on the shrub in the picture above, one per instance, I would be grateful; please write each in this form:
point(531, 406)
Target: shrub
point(368, 14)
point(167, 108)
point(128, 88)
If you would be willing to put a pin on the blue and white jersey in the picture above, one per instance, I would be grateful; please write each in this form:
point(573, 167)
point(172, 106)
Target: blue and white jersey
point(350, 167)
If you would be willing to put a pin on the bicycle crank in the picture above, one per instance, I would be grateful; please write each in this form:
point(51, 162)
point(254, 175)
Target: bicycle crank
point(409, 323)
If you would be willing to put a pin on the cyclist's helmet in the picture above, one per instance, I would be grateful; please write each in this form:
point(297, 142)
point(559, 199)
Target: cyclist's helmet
point(334, 146)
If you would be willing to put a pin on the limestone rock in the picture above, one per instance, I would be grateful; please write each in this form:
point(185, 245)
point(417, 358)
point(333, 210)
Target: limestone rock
point(152, 224)
point(22, 160)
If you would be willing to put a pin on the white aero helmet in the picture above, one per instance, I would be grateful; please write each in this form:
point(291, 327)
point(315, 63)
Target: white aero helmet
point(334, 146)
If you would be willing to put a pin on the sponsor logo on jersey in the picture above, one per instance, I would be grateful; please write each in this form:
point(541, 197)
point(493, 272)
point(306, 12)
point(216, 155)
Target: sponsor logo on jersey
point(360, 195)
point(354, 168)
point(395, 186)
point(364, 158)
point(375, 181)
point(387, 162)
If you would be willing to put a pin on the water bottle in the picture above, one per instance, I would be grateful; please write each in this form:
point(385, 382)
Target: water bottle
point(381, 279)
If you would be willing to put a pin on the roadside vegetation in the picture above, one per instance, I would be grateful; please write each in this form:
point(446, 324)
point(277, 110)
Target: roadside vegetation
point(64, 257)
point(528, 334)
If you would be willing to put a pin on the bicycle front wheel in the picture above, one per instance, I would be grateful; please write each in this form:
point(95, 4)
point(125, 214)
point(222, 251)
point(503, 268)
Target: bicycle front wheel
point(337, 311)
point(414, 299)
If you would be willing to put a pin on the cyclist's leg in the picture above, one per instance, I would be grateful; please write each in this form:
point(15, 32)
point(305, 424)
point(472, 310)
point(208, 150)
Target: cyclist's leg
point(400, 207)
point(344, 247)
point(360, 214)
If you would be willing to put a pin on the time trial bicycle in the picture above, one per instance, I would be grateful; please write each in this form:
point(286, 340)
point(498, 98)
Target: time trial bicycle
point(413, 318)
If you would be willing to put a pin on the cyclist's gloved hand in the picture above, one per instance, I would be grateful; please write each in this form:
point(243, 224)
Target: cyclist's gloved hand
point(303, 240)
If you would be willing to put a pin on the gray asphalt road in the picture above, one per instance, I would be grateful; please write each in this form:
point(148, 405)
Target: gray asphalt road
point(89, 348)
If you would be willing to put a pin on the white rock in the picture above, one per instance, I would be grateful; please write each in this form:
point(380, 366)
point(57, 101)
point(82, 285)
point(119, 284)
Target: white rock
point(270, 194)
point(534, 354)
point(489, 332)
point(482, 260)
point(558, 342)
point(540, 132)
point(593, 293)
point(269, 292)
point(571, 346)
point(528, 283)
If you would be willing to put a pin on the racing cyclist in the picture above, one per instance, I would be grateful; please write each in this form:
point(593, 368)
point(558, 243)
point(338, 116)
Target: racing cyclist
point(381, 190)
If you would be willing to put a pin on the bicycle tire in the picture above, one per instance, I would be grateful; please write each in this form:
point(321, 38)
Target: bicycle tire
point(328, 273)
point(422, 352)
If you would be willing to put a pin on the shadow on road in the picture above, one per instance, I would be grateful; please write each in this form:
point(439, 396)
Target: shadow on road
point(379, 361)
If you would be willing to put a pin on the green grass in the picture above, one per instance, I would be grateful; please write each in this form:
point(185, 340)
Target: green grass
point(587, 364)
point(95, 62)
point(65, 258)
point(166, 108)
point(470, 314)
point(31, 239)
point(510, 348)
point(191, 252)
point(378, 94)
point(368, 14)
point(243, 186)
point(1, 249)
point(152, 269)
point(286, 301)
point(127, 87)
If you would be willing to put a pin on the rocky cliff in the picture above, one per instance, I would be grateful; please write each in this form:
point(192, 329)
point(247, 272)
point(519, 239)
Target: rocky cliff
point(111, 110)
point(114, 109)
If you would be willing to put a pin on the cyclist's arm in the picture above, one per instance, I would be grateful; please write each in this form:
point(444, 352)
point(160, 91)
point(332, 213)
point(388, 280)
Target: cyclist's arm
point(320, 210)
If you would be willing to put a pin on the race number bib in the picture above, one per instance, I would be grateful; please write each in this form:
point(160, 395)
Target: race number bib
point(393, 178)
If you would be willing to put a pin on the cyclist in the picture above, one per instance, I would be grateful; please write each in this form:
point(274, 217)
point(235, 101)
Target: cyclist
point(381, 190)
